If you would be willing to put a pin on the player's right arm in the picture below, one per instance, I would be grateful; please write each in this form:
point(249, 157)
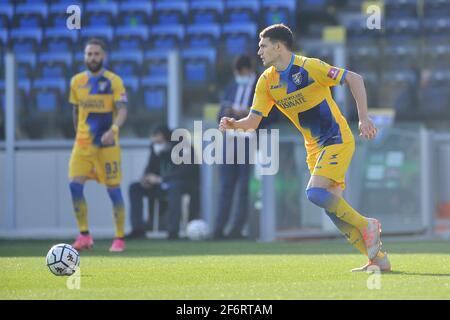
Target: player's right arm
point(262, 104)
point(75, 117)
point(73, 99)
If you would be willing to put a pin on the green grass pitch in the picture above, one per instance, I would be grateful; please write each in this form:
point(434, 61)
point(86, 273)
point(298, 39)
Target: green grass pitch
point(156, 269)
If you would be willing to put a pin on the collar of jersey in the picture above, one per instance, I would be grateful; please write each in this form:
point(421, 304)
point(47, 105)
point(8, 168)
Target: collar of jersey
point(286, 71)
point(98, 75)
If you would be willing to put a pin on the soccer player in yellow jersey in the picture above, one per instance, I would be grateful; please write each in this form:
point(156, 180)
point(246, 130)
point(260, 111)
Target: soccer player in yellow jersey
point(300, 88)
point(99, 110)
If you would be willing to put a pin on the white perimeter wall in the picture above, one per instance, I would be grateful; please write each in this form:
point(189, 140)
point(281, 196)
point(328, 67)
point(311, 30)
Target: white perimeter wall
point(43, 202)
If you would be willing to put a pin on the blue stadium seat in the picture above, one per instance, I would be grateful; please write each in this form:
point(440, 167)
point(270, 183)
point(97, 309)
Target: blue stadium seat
point(26, 34)
point(60, 39)
point(238, 11)
point(401, 8)
point(436, 9)
point(105, 33)
point(199, 65)
point(136, 13)
point(130, 56)
point(26, 58)
point(402, 30)
point(437, 56)
point(437, 30)
point(155, 63)
point(364, 58)
point(131, 83)
point(131, 37)
point(4, 37)
point(434, 96)
point(24, 85)
point(239, 38)
point(167, 36)
point(58, 84)
point(203, 35)
point(7, 10)
point(398, 56)
point(154, 93)
point(395, 90)
point(278, 11)
point(28, 15)
point(171, 12)
point(54, 64)
point(111, 8)
point(206, 11)
point(316, 6)
point(47, 100)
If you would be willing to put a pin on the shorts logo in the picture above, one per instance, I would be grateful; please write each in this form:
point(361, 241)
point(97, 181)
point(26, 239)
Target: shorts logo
point(333, 73)
point(297, 78)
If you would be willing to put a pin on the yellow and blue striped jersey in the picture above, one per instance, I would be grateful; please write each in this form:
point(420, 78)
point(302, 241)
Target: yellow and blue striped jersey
point(302, 93)
point(95, 97)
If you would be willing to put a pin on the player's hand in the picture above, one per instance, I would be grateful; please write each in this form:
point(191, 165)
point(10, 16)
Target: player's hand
point(367, 129)
point(108, 138)
point(153, 179)
point(226, 123)
point(144, 183)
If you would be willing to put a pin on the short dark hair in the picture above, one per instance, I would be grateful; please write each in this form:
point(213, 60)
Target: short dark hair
point(98, 42)
point(279, 32)
point(243, 62)
point(163, 130)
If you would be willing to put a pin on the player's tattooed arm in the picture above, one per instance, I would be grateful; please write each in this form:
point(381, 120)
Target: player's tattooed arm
point(122, 113)
point(356, 83)
point(75, 117)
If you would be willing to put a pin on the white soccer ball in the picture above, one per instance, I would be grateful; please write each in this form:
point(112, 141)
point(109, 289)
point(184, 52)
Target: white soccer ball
point(63, 259)
point(197, 230)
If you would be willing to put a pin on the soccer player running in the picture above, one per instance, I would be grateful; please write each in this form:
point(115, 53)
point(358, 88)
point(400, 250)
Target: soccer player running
point(300, 88)
point(99, 109)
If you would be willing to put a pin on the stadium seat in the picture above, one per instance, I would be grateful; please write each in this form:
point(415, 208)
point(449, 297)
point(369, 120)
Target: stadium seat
point(400, 56)
point(106, 33)
point(404, 30)
point(101, 14)
point(401, 9)
point(25, 39)
point(154, 93)
point(167, 36)
point(278, 11)
point(436, 9)
point(6, 16)
point(437, 56)
point(239, 38)
point(206, 12)
point(131, 37)
point(55, 64)
point(203, 35)
point(364, 58)
point(155, 63)
point(316, 6)
point(199, 65)
point(26, 62)
point(238, 11)
point(59, 40)
point(4, 37)
point(127, 63)
point(357, 32)
point(30, 15)
point(136, 13)
point(437, 30)
point(170, 12)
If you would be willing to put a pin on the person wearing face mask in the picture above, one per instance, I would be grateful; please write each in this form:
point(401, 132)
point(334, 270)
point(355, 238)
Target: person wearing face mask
point(165, 181)
point(236, 102)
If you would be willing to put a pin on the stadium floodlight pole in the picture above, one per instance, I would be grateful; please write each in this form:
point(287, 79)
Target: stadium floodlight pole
point(173, 90)
point(11, 89)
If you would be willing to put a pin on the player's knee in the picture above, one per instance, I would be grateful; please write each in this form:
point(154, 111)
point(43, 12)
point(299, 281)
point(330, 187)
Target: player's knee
point(116, 195)
point(320, 197)
point(76, 189)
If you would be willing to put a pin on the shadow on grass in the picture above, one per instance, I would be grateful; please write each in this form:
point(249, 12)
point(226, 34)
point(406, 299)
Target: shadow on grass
point(158, 248)
point(403, 273)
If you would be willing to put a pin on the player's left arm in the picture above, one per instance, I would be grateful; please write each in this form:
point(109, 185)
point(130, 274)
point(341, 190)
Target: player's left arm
point(356, 83)
point(120, 103)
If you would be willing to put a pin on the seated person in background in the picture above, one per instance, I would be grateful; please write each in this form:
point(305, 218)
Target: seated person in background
point(165, 181)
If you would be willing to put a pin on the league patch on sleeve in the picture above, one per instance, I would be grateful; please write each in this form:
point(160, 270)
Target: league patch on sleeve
point(123, 97)
point(333, 73)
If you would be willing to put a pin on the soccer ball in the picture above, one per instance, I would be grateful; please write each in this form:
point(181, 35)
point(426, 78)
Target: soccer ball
point(63, 259)
point(197, 230)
